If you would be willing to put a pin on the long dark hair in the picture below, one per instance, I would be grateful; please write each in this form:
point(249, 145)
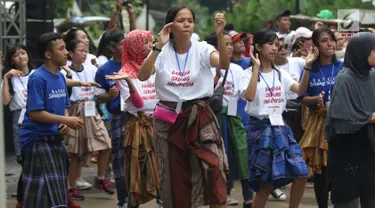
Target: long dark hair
point(171, 15)
point(262, 37)
point(8, 58)
point(315, 67)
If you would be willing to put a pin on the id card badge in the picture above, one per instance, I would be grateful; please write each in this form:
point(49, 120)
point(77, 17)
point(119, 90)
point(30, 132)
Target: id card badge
point(22, 116)
point(275, 117)
point(90, 108)
point(232, 106)
point(178, 107)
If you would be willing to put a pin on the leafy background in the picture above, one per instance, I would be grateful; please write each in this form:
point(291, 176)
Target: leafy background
point(246, 15)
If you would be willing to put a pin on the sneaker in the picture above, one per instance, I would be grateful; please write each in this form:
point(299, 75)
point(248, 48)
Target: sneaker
point(82, 184)
point(231, 201)
point(123, 206)
point(71, 203)
point(76, 194)
point(104, 185)
point(249, 205)
point(278, 195)
point(159, 203)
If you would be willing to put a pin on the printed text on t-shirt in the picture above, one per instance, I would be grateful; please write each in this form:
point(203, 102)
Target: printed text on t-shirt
point(180, 79)
point(275, 96)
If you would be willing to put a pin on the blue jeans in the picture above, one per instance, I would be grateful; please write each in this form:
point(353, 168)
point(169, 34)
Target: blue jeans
point(247, 193)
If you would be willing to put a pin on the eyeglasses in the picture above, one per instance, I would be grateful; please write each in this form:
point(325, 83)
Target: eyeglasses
point(285, 46)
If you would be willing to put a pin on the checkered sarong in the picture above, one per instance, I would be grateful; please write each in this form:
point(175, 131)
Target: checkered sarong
point(45, 174)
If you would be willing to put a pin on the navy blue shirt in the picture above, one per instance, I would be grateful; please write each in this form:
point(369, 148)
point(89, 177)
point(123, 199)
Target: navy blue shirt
point(113, 106)
point(323, 80)
point(46, 91)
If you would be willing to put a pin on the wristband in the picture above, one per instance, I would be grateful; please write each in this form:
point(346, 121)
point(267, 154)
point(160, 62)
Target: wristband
point(307, 69)
point(156, 49)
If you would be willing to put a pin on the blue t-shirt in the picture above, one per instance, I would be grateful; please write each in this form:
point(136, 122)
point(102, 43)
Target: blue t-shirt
point(244, 63)
point(113, 106)
point(323, 80)
point(46, 91)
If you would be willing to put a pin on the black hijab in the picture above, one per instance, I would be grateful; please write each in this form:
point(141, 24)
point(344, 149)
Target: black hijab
point(358, 50)
point(353, 96)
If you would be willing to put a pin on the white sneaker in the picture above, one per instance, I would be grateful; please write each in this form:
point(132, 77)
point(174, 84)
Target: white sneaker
point(123, 206)
point(231, 201)
point(82, 185)
point(278, 195)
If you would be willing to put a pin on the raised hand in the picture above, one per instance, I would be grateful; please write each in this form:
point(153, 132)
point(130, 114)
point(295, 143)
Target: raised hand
point(255, 60)
point(163, 36)
point(219, 23)
point(89, 84)
point(312, 56)
point(117, 76)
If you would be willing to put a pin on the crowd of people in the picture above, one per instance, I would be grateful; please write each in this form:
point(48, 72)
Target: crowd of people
point(178, 120)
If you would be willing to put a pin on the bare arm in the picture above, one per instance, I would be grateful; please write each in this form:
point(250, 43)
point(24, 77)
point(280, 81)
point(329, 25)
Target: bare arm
point(222, 59)
point(301, 87)
point(148, 66)
point(43, 116)
point(6, 94)
point(132, 20)
point(251, 89)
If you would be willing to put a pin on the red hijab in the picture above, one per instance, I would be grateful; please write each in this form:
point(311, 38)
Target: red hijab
point(133, 51)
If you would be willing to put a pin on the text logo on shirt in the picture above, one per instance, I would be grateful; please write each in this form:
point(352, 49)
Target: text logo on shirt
point(55, 94)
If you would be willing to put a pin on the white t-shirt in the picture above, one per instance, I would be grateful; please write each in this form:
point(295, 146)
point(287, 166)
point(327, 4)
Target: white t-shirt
point(102, 59)
point(195, 81)
point(19, 98)
point(294, 67)
point(86, 75)
point(263, 101)
point(232, 83)
point(146, 90)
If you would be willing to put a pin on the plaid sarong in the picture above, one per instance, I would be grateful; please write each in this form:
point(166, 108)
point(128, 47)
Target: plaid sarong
point(275, 158)
point(45, 174)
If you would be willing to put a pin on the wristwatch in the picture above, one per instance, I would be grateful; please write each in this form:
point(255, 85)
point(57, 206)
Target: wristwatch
point(155, 48)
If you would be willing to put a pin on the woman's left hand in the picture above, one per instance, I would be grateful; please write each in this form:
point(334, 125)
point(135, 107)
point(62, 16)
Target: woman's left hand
point(219, 23)
point(311, 57)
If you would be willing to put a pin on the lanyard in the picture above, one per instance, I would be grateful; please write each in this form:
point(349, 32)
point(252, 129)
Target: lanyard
point(178, 62)
point(273, 85)
point(231, 73)
point(331, 86)
point(23, 85)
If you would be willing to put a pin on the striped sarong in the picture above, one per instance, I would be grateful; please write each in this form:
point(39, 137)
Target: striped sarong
point(45, 174)
point(140, 162)
point(234, 136)
point(191, 158)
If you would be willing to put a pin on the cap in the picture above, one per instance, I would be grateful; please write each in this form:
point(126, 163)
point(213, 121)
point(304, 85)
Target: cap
point(325, 14)
point(289, 39)
point(303, 32)
point(237, 36)
point(285, 13)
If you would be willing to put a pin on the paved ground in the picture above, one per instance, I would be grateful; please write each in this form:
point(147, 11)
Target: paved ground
point(97, 199)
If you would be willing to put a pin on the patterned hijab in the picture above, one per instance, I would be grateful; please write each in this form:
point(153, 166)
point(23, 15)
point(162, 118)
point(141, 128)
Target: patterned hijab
point(133, 51)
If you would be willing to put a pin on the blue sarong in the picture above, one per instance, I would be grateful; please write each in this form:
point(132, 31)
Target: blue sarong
point(275, 158)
